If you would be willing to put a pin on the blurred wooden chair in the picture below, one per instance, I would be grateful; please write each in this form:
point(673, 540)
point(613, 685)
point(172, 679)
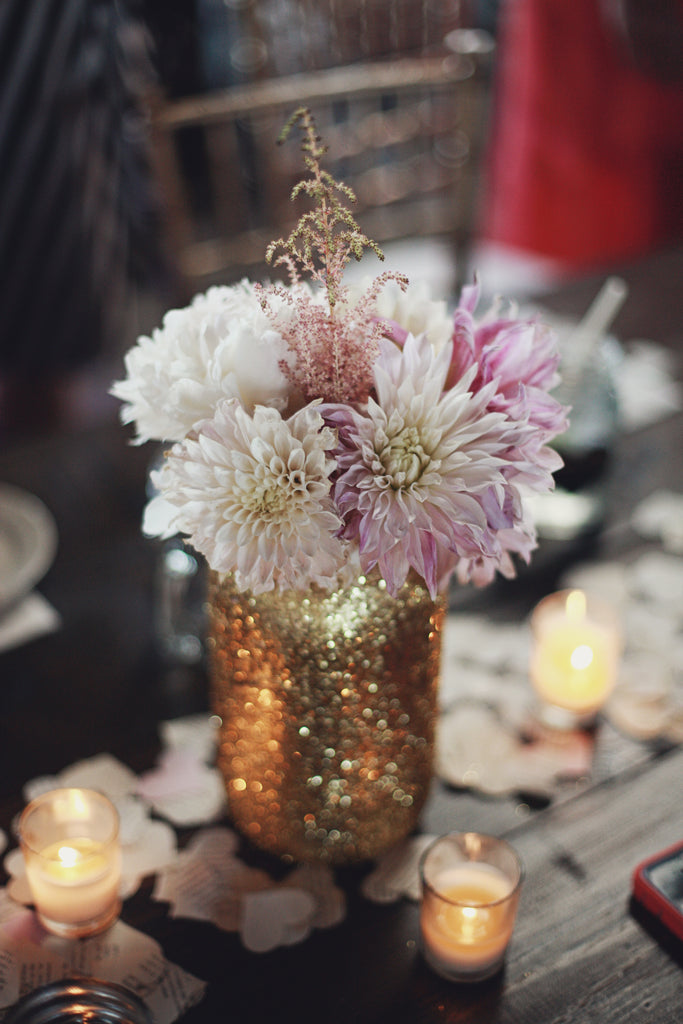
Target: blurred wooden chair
point(399, 94)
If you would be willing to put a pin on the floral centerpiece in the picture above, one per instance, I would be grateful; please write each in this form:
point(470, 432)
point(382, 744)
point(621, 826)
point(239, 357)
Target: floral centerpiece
point(323, 434)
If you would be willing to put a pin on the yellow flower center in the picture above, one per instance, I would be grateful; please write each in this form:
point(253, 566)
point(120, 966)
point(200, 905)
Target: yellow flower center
point(404, 458)
point(268, 499)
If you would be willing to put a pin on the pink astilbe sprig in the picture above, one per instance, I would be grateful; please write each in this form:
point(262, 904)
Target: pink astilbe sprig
point(335, 352)
point(335, 344)
point(326, 237)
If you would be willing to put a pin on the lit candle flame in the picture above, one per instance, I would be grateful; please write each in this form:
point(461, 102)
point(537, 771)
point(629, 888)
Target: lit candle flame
point(68, 856)
point(575, 605)
point(581, 657)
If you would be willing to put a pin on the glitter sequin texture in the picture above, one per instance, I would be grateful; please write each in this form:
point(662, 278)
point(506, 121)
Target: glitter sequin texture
point(328, 707)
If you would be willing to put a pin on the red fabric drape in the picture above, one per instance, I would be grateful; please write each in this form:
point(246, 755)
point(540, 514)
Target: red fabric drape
point(586, 158)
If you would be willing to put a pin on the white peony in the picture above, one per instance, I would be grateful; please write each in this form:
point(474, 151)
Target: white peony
point(220, 346)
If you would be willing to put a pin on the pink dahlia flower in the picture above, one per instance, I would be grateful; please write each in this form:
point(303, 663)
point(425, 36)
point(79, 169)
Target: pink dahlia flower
point(520, 356)
point(414, 467)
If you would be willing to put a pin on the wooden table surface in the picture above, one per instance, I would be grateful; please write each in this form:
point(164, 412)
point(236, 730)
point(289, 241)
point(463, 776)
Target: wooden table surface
point(580, 953)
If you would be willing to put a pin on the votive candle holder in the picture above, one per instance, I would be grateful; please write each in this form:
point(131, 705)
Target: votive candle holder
point(471, 886)
point(70, 842)
point(575, 654)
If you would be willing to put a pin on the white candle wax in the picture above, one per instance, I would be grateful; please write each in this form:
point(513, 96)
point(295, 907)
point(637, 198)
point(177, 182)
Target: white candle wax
point(467, 925)
point(575, 655)
point(69, 839)
point(74, 880)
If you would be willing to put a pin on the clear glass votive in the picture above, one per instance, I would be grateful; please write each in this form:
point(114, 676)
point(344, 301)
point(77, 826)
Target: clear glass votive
point(70, 842)
point(470, 891)
point(179, 603)
point(75, 1000)
point(575, 653)
point(179, 587)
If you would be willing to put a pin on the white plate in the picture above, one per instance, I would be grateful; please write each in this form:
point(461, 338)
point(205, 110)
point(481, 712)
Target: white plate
point(28, 541)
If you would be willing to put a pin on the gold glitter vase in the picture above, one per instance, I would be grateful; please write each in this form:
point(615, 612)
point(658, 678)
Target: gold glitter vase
point(328, 706)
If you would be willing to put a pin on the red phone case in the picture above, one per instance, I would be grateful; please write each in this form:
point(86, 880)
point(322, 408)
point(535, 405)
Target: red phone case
point(652, 898)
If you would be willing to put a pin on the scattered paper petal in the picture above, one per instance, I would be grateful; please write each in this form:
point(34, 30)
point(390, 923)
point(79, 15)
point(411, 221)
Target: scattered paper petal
point(674, 726)
point(14, 863)
point(638, 718)
point(672, 536)
point(18, 890)
point(133, 819)
point(397, 873)
point(183, 789)
point(473, 748)
point(196, 734)
point(155, 849)
point(178, 771)
point(22, 926)
point(645, 628)
point(658, 577)
point(102, 772)
point(471, 638)
point(42, 784)
point(208, 882)
point(214, 845)
point(460, 681)
point(192, 809)
point(330, 900)
point(8, 908)
point(644, 701)
point(660, 516)
point(276, 917)
point(477, 749)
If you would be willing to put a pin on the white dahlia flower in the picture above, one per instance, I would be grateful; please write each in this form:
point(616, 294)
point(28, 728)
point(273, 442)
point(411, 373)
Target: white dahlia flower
point(253, 495)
